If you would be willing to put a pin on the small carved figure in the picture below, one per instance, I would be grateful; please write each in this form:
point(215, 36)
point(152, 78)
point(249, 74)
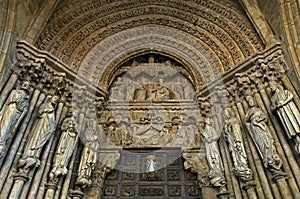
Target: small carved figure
point(13, 112)
point(65, 149)
point(130, 88)
point(211, 137)
point(89, 154)
point(151, 163)
point(256, 123)
point(40, 134)
point(233, 135)
point(140, 93)
point(288, 113)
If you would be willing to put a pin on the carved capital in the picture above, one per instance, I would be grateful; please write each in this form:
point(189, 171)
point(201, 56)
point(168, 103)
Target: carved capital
point(273, 66)
point(245, 86)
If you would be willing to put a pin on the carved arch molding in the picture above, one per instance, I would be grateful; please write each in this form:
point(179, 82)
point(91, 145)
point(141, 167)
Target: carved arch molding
point(94, 38)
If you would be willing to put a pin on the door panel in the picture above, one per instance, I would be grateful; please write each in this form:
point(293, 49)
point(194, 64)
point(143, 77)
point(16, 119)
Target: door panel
point(170, 180)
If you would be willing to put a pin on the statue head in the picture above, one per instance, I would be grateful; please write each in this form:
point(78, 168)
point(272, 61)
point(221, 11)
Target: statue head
point(274, 86)
point(53, 100)
point(250, 101)
point(25, 85)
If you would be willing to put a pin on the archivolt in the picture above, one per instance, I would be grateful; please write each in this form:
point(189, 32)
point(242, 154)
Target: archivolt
point(102, 61)
point(75, 31)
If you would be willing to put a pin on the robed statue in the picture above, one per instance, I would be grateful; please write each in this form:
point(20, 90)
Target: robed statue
point(65, 149)
point(233, 135)
point(89, 153)
point(288, 113)
point(211, 137)
point(42, 131)
point(256, 123)
point(13, 112)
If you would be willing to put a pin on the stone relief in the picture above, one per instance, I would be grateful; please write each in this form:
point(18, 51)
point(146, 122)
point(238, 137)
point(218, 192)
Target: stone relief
point(211, 137)
point(152, 130)
point(41, 133)
point(152, 82)
point(233, 135)
point(64, 150)
point(256, 123)
point(288, 113)
point(12, 113)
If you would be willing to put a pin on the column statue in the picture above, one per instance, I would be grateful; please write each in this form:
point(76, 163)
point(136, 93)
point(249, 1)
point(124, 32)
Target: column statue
point(65, 149)
point(211, 137)
point(13, 112)
point(256, 123)
point(41, 132)
point(233, 135)
point(89, 153)
point(288, 113)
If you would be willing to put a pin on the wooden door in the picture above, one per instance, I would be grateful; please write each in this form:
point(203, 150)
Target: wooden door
point(170, 180)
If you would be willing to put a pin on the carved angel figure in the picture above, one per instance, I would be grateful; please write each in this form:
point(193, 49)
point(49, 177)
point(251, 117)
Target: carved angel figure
point(13, 112)
point(41, 132)
point(288, 113)
point(89, 153)
point(65, 149)
point(211, 137)
point(256, 123)
point(233, 135)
